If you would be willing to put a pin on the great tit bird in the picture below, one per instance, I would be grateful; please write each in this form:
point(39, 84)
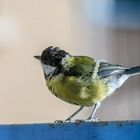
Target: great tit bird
point(82, 80)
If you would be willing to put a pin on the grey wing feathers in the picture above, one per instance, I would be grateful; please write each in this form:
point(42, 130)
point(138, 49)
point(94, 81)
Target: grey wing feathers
point(106, 69)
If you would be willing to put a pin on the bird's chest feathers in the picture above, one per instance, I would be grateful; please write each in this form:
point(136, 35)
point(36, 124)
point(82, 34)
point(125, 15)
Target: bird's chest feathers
point(48, 70)
point(75, 91)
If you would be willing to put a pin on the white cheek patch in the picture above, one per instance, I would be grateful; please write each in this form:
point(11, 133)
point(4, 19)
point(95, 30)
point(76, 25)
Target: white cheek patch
point(48, 69)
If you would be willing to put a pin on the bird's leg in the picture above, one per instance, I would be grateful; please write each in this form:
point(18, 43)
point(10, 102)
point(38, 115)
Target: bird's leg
point(91, 117)
point(69, 118)
point(74, 114)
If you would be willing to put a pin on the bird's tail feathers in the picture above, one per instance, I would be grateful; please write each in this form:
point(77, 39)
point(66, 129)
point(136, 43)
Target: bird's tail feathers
point(133, 71)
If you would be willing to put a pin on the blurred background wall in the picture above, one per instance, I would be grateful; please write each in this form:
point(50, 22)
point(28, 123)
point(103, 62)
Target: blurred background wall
point(107, 29)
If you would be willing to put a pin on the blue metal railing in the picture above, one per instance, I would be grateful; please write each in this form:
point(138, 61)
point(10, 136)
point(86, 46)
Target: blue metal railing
point(125, 130)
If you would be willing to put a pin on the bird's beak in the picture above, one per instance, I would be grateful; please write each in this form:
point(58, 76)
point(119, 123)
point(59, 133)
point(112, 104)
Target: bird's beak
point(37, 57)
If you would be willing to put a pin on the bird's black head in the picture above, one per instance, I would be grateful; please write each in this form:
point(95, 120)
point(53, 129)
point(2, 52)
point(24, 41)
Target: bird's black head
point(52, 56)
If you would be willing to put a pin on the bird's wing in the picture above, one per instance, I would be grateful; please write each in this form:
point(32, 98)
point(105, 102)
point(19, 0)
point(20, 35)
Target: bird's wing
point(80, 66)
point(107, 69)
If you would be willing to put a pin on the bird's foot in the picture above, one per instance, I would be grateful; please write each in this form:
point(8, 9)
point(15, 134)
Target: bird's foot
point(65, 121)
point(92, 120)
point(77, 121)
point(69, 121)
point(58, 121)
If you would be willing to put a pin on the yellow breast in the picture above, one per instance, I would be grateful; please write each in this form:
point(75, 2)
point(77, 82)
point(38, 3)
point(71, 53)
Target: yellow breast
point(77, 91)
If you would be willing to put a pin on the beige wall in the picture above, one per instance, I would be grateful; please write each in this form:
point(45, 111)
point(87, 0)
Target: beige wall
point(30, 26)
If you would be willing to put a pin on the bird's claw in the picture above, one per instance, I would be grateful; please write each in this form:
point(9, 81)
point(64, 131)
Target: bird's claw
point(92, 120)
point(64, 121)
point(77, 121)
point(58, 121)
